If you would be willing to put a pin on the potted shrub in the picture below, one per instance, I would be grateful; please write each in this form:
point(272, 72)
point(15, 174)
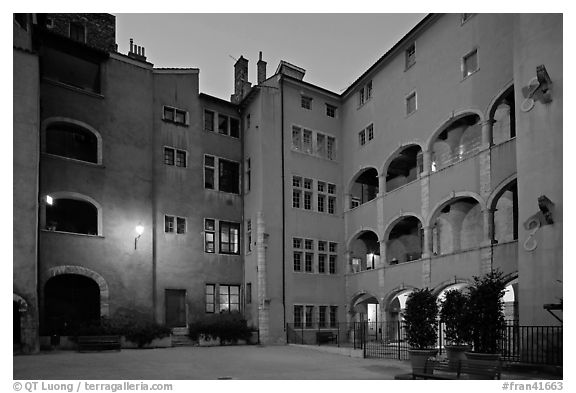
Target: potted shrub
point(455, 317)
point(421, 327)
point(226, 328)
point(486, 316)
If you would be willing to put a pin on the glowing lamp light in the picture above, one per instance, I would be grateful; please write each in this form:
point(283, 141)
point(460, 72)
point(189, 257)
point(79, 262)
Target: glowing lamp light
point(49, 200)
point(139, 231)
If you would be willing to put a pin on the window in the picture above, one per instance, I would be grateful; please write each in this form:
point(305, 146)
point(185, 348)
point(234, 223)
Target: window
point(209, 235)
point(228, 179)
point(229, 298)
point(308, 184)
point(411, 105)
point(306, 102)
point(410, 56)
point(321, 263)
point(71, 141)
point(321, 203)
point(174, 157)
point(229, 236)
point(362, 137)
point(331, 205)
point(296, 138)
point(321, 145)
point(307, 200)
point(470, 63)
point(209, 165)
point(307, 141)
point(297, 245)
point(322, 316)
point(210, 293)
point(296, 192)
point(308, 317)
point(330, 110)
point(234, 128)
point(72, 215)
point(298, 316)
point(331, 148)
point(308, 244)
point(248, 236)
point(365, 93)
point(77, 32)
point(370, 132)
point(332, 264)
point(331, 188)
point(333, 316)
point(169, 224)
point(248, 180)
point(173, 115)
point(308, 261)
point(248, 293)
point(208, 120)
point(333, 247)
point(180, 225)
point(80, 72)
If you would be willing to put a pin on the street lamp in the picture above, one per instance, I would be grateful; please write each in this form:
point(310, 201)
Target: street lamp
point(139, 231)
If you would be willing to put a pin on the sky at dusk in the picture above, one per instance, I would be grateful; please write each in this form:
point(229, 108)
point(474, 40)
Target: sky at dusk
point(334, 49)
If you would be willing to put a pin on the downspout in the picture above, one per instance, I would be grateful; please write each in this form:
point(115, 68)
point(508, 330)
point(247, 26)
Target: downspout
point(283, 203)
point(242, 215)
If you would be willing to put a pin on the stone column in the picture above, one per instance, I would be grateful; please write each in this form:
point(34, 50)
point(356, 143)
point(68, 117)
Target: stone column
point(263, 301)
point(426, 163)
point(486, 254)
point(427, 242)
point(487, 139)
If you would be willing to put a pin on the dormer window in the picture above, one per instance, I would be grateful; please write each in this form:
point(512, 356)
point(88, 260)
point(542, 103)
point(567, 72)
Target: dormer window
point(77, 32)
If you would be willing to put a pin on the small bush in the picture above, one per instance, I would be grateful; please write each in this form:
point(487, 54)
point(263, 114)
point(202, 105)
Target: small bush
point(454, 313)
point(228, 327)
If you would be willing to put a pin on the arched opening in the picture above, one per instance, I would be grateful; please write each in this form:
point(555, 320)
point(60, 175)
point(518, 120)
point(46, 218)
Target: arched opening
point(71, 215)
point(404, 168)
point(71, 141)
point(70, 300)
point(395, 316)
point(364, 188)
point(503, 118)
point(404, 242)
point(506, 214)
point(457, 226)
point(459, 140)
point(510, 301)
point(365, 308)
point(364, 252)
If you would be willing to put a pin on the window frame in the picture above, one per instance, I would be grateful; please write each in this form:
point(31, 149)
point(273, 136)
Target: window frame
point(174, 162)
point(231, 225)
point(463, 66)
point(175, 111)
point(306, 102)
point(331, 110)
point(174, 228)
point(410, 95)
point(211, 232)
point(206, 298)
point(229, 300)
point(216, 173)
point(410, 56)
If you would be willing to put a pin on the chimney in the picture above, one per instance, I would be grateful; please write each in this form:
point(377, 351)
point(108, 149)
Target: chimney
point(261, 69)
point(241, 84)
point(136, 52)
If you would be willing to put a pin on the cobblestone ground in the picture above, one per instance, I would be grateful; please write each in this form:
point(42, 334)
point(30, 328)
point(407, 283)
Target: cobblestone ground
point(206, 363)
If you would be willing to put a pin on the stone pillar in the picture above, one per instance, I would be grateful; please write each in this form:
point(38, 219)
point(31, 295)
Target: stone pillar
point(263, 301)
point(348, 259)
point(347, 201)
point(488, 218)
point(427, 242)
point(426, 163)
point(383, 258)
point(487, 139)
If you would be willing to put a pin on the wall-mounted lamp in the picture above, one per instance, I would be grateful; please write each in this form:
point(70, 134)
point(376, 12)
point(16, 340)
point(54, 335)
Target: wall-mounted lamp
point(49, 200)
point(139, 231)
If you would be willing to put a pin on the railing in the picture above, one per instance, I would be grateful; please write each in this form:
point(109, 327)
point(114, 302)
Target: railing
point(525, 344)
point(342, 334)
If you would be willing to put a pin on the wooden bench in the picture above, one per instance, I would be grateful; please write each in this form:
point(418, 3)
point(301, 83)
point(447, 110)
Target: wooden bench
point(326, 337)
point(463, 369)
point(98, 343)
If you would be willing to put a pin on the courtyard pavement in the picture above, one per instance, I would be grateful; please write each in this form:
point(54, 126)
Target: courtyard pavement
point(208, 363)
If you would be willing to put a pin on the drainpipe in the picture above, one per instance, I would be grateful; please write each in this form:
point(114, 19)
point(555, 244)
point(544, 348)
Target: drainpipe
point(283, 203)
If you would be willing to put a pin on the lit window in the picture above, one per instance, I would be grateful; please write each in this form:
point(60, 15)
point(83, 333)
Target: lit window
point(229, 237)
point(209, 235)
point(410, 56)
point(229, 298)
point(470, 63)
point(411, 103)
point(306, 102)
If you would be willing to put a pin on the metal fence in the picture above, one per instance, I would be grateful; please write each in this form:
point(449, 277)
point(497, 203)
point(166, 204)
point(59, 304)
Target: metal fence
point(526, 344)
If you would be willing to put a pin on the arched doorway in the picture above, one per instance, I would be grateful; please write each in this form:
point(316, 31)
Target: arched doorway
point(364, 252)
point(366, 308)
point(70, 300)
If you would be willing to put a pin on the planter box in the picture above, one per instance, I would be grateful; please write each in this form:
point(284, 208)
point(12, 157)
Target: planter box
point(164, 342)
